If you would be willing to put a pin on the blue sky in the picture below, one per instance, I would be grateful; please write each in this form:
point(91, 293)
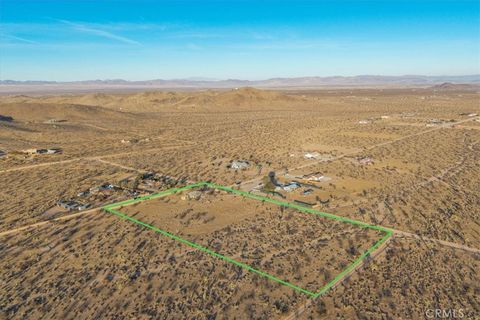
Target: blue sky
point(140, 39)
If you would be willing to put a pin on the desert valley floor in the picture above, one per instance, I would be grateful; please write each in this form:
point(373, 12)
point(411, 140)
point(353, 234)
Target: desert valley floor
point(407, 160)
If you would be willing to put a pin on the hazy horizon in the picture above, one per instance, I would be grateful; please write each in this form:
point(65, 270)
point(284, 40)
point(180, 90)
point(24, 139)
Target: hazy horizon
point(207, 79)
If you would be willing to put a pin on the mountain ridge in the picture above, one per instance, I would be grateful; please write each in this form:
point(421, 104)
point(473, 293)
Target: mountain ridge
point(278, 81)
point(11, 87)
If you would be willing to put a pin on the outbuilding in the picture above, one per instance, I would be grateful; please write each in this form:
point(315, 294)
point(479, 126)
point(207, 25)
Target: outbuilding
point(239, 164)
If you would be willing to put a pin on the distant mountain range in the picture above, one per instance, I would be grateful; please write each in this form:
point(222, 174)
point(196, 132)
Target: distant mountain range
point(7, 86)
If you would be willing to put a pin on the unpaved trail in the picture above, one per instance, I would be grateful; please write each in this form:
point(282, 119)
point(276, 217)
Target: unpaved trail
point(447, 125)
point(403, 234)
point(100, 157)
point(300, 310)
point(38, 165)
point(246, 182)
point(254, 182)
point(42, 223)
point(120, 165)
point(397, 235)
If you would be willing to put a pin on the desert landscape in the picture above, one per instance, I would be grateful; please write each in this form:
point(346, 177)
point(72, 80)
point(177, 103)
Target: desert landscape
point(404, 159)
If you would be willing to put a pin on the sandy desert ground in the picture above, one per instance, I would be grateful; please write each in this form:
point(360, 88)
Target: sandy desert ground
point(403, 159)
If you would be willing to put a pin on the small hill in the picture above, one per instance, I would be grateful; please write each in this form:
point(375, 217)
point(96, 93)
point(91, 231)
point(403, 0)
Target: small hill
point(252, 96)
point(154, 101)
point(42, 111)
point(87, 105)
point(448, 86)
point(237, 99)
point(92, 99)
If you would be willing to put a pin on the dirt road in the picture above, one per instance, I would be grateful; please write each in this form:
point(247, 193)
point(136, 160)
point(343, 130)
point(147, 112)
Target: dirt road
point(447, 125)
point(249, 184)
point(42, 223)
point(33, 166)
point(300, 310)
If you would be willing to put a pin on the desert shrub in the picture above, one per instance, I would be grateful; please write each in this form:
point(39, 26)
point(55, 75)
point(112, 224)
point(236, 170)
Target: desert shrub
point(320, 307)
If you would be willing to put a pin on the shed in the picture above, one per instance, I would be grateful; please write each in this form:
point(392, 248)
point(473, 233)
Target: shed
point(239, 164)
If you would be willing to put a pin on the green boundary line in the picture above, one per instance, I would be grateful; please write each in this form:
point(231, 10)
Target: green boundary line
point(111, 209)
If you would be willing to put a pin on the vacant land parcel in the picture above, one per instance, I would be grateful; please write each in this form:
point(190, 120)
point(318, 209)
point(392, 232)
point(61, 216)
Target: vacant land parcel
point(259, 234)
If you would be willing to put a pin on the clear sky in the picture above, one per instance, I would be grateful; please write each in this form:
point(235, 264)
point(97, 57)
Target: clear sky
point(147, 39)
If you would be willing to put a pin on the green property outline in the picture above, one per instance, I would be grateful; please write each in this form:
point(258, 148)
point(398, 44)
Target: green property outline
point(111, 209)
